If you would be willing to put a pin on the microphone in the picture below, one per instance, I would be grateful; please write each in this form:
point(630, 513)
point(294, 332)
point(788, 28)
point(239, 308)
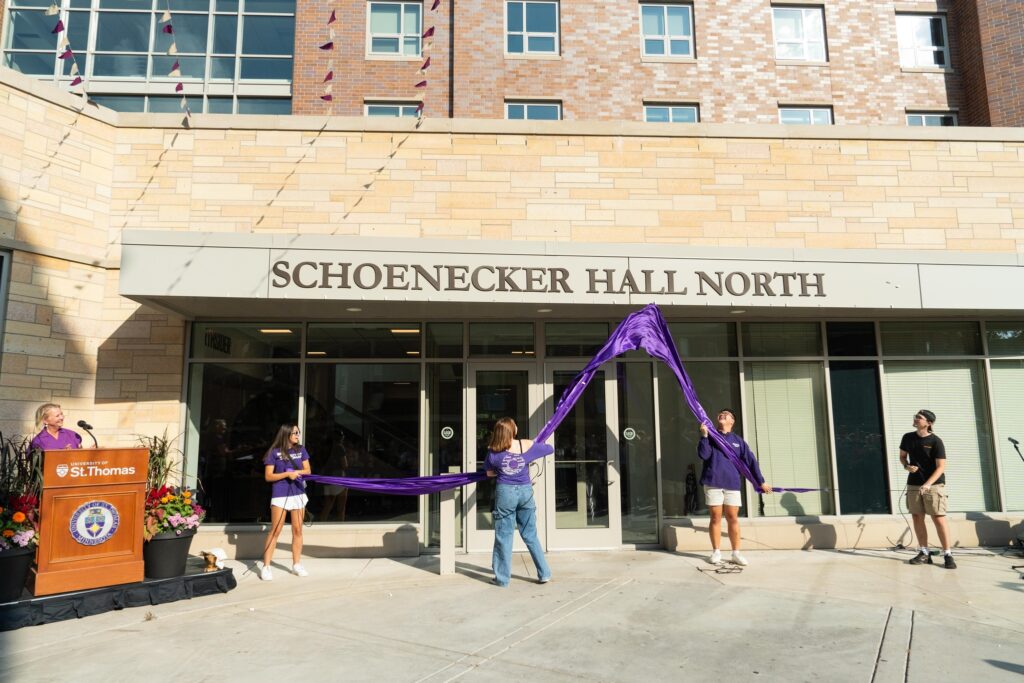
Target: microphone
point(1013, 441)
point(88, 427)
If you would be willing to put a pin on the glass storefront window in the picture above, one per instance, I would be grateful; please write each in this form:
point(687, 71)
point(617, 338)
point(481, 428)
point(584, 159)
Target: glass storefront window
point(234, 410)
point(781, 339)
point(374, 410)
point(271, 340)
point(574, 339)
point(955, 391)
point(860, 444)
point(501, 339)
point(364, 340)
point(717, 385)
point(704, 340)
point(1005, 338)
point(1008, 399)
point(851, 339)
point(931, 338)
point(444, 340)
point(638, 475)
point(787, 428)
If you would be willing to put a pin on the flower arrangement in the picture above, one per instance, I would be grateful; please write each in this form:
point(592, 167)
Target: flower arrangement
point(20, 483)
point(168, 508)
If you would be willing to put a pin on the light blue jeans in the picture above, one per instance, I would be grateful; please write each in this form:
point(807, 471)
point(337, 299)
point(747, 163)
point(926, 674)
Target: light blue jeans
point(514, 506)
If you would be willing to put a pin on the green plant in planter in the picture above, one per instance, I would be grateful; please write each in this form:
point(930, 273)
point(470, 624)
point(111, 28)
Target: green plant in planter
point(169, 507)
point(21, 478)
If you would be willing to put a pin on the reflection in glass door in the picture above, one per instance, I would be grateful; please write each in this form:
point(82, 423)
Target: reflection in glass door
point(584, 487)
point(637, 456)
point(496, 390)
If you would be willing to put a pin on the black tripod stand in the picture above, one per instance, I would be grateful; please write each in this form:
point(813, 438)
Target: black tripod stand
point(1016, 447)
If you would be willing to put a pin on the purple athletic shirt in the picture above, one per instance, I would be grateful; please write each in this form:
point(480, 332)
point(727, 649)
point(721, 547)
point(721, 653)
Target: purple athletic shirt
point(291, 461)
point(511, 467)
point(718, 471)
point(65, 439)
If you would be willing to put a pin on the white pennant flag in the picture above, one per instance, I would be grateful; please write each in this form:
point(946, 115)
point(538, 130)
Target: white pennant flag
point(52, 9)
point(165, 17)
point(173, 49)
point(74, 68)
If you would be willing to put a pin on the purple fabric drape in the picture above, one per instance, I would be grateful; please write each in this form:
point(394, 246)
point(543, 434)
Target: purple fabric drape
point(645, 329)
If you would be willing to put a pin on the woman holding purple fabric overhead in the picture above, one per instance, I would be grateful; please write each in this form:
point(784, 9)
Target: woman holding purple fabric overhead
point(52, 435)
point(513, 499)
point(286, 461)
point(721, 481)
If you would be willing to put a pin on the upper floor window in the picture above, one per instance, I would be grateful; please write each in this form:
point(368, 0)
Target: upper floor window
point(922, 39)
point(799, 33)
point(533, 111)
point(670, 113)
point(531, 28)
point(806, 116)
point(667, 30)
point(395, 28)
point(394, 109)
point(931, 119)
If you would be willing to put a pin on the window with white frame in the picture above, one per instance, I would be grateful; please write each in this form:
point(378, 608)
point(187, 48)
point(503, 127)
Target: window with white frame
point(531, 27)
point(922, 40)
point(931, 119)
point(666, 29)
point(533, 111)
point(394, 28)
point(671, 113)
point(392, 109)
point(806, 116)
point(799, 33)
point(228, 51)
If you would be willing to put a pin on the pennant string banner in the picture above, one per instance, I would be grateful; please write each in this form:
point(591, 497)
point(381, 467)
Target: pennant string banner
point(64, 45)
point(645, 329)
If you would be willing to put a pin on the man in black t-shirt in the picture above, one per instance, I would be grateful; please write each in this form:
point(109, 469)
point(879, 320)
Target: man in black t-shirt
point(923, 455)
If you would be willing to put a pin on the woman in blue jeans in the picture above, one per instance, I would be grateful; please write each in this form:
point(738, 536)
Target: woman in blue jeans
point(508, 459)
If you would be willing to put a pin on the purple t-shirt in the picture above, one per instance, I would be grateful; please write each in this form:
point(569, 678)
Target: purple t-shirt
point(513, 468)
point(292, 460)
point(65, 439)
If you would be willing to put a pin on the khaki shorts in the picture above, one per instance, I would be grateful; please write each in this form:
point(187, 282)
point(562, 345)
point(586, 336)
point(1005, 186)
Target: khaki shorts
point(934, 502)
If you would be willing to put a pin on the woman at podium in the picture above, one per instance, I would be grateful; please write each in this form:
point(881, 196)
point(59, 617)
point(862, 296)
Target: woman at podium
point(52, 435)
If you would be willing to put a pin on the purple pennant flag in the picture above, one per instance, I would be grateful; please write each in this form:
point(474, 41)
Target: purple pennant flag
point(67, 54)
point(434, 6)
point(426, 64)
point(168, 29)
point(179, 87)
point(329, 76)
point(59, 27)
point(327, 46)
point(327, 98)
point(645, 329)
point(421, 84)
point(333, 18)
point(419, 107)
point(429, 32)
point(77, 80)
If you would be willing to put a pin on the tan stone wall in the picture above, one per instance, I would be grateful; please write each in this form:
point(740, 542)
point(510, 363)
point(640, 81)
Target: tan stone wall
point(70, 183)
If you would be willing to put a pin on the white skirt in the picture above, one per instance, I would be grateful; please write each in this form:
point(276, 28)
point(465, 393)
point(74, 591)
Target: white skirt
point(290, 502)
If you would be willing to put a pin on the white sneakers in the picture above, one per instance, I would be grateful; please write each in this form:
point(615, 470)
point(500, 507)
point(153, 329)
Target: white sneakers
point(716, 558)
point(267, 575)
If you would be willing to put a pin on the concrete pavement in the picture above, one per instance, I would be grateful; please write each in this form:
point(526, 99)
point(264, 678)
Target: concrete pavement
point(860, 615)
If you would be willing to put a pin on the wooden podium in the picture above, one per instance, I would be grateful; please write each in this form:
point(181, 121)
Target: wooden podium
point(90, 531)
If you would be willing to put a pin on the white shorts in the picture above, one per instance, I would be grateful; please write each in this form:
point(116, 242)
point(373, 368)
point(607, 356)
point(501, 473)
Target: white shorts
point(716, 497)
point(290, 502)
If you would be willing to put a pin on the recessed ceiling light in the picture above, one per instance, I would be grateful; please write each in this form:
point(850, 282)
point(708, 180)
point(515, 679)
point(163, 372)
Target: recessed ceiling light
point(543, 310)
point(275, 330)
point(737, 311)
point(316, 353)
point(400, 330)
point(353, 310)
point(412, 353)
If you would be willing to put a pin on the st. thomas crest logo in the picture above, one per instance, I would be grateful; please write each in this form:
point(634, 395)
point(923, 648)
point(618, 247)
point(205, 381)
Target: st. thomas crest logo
point(94, 522)
point(62, 470)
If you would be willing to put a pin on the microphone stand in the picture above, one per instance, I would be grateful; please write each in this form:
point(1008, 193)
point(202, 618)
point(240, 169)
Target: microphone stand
point(1016, 447)
point(95, 443)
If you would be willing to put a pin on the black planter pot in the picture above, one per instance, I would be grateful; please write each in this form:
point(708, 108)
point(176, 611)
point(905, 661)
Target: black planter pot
point(166, 553)
point(14, 566)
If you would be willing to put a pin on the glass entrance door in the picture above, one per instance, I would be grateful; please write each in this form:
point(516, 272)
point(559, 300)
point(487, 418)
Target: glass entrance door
point(583, 488)
point(498, 390)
